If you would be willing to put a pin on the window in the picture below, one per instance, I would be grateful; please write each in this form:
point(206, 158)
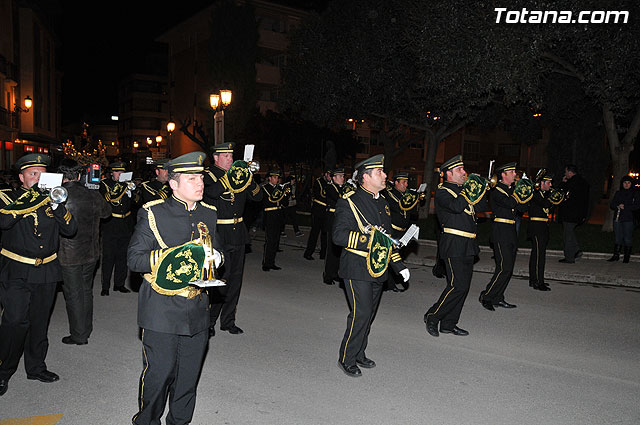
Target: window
point(471, 150)
point(509, 150)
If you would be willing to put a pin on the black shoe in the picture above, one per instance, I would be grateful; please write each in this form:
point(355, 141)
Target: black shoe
point(104, 293)
point(353, 370)
point(266, 268)
point(70, 341)
point(578, 254)
point(278, 250)
point(212, 331)
point(544, 287)
point(564, 260)
point(247, 249)
point(487, 305)
point(4, 386)
point(121, 289)
point(504, 304)
point(44, 376)
point(233, 329)
point(456, 331)
point(308, 257)
point(432, 327)
point(366, 363)
point(328, 281)
point(299, 233)
point(274, 267)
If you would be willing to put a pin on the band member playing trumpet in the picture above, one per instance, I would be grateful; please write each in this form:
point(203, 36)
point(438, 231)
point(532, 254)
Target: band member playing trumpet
point(116, 230)
point(273, 201)
point(505, 200)
point(456, 200)
point(31, 227)
point(538, 230)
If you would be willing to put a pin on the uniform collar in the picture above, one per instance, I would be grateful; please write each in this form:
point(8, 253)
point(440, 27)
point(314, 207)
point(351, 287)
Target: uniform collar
point(373, 195)
point(184, 204)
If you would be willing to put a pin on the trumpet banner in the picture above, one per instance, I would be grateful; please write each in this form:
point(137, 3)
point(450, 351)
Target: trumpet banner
point(474, 188)
point(379, 253)
point(556, 196)
point(28, 202)
point(177, 267)
point(239, 176)
point(409, 200)
point(523, 191)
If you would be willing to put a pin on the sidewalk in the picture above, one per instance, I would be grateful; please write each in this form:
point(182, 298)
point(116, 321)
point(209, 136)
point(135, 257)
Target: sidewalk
point(590, 268)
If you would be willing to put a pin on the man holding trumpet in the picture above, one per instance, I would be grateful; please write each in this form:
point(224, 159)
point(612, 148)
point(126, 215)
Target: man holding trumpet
point(29, 271)
point(174, 245)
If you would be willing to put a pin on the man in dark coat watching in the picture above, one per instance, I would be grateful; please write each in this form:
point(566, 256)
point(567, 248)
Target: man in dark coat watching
point(79, 254)
point(573, 211)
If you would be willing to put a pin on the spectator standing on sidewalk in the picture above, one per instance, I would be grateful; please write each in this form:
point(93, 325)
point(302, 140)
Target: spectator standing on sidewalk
point(79, 254)
point(573, 211)
point(624, 203)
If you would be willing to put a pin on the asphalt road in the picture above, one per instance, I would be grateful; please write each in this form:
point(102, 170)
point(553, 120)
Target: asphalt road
point(569, 356)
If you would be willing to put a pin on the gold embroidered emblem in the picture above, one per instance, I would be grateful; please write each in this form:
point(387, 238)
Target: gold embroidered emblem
point(386, 209)
point(363, 238)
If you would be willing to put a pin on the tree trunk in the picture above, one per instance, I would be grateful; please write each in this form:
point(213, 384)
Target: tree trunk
point(620, 151)
point(432, 149)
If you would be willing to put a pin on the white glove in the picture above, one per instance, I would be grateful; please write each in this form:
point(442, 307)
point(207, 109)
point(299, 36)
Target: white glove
point(128, 193)
point(405, 275)
point(54, 205)
point(217, 258)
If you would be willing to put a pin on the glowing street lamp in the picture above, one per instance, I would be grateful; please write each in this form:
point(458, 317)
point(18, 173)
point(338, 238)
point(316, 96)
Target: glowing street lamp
point(218, 103)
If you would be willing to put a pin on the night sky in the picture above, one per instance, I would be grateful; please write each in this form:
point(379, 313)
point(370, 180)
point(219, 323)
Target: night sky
point(103, 41)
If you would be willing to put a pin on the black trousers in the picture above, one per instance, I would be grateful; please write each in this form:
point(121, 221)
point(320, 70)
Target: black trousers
point(290, 216)
point(78, 295)
point(317, 229)
point(114, 259)
point(537, 259)
point(505, 258)
point(171, 367)
point(449, 306)
point(224, 299)
point(25, 321)
point(332, 259)
point(272, 228)
point(363, 298)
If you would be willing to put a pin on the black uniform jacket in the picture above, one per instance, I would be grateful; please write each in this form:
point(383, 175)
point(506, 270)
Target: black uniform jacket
point(121, 221)
point(457, 222)
point(399, 220)
point(274, 199)
point(333, 193)
point(504, 206)
point(319, 194)
point(347, 233)
point(154, 189)
point(230, 206)
point(164, 224)
point(34, 235)
point(539, 208)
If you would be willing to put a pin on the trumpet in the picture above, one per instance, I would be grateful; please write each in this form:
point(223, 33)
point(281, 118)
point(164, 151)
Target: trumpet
point(254, 166)
point(539, 176)
point(58, 194)
point(492, 178)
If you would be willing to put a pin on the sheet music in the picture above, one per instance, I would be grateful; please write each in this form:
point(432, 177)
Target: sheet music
point(208, 283)
point(248, 152)
point(49, 180)
point(126, 177)
point(412, 233)
point(422, 188)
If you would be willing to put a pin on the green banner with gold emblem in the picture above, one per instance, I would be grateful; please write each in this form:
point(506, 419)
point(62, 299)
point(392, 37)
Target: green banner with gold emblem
point(239, 176)
point(379, 253)
point(409, 200)
point(177, 267)
point(474, 188)
point(523, 191)
point(28, 202)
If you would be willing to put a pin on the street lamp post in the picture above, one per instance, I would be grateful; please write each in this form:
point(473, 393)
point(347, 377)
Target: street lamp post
point(218, 103)
point(171, 126)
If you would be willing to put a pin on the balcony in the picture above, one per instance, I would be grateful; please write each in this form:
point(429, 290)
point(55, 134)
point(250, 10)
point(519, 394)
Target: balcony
point(267, 74)
point(273, 40)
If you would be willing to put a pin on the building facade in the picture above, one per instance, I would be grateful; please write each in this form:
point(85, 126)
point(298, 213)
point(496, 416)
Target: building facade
point(27, 71)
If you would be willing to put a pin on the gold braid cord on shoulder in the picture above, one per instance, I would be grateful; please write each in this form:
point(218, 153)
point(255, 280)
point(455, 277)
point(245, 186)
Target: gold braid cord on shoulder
point(154, 227)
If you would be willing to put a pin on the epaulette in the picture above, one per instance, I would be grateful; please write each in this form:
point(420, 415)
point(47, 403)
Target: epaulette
point(211, 207)
point(348, 195)
point(150, 204)
point(213, 177)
